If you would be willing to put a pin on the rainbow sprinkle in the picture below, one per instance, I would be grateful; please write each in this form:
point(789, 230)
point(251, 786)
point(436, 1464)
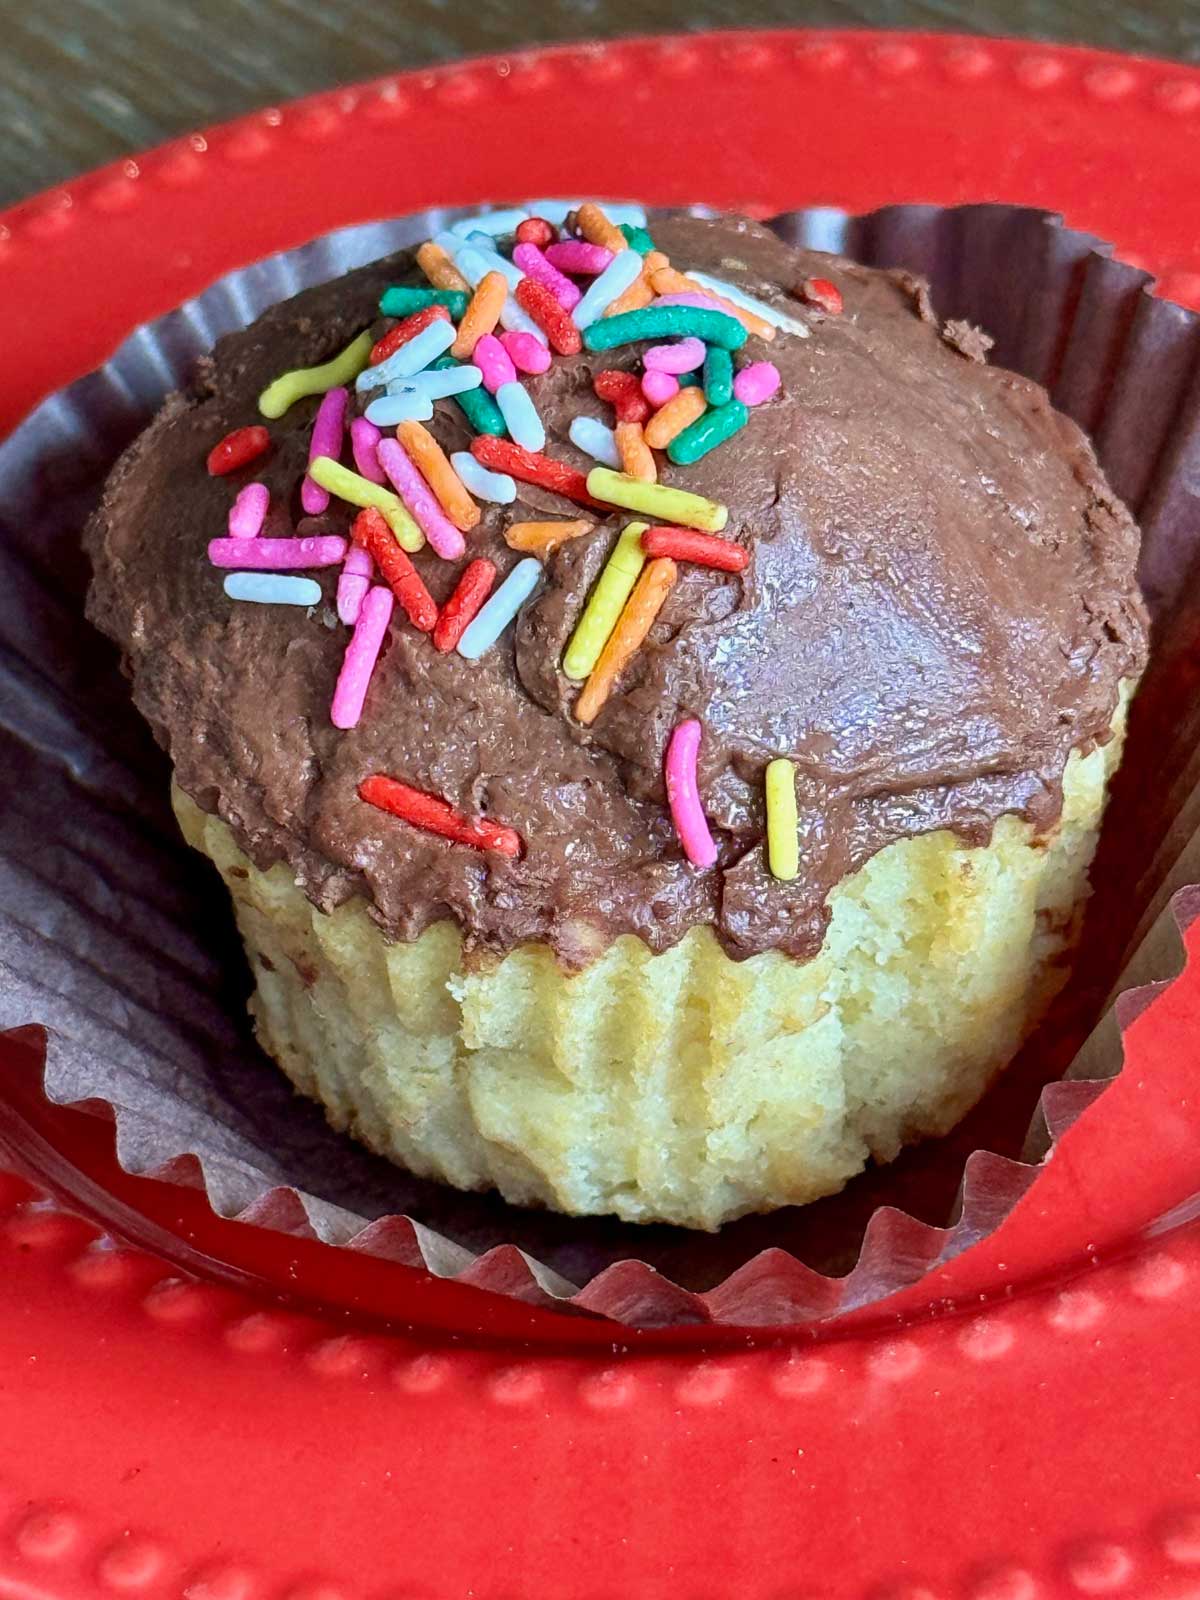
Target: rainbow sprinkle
point(507, 294)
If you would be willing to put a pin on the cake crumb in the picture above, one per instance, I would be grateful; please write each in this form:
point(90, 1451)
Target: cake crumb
point(967, 339)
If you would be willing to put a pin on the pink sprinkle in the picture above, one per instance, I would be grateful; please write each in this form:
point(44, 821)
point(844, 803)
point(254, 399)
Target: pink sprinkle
point(685, 356)
point(277, 555)
point(683, 795)
point(705, 301)
point(535, 265)
point(577, 255)
point(357, 571)
point(248, 511)
point(361, 655)
point(756, 383)
point(364, 441)
point(494, 361)
point(527, 353)
point(659, 387)
point(328, 424)
point(420, 500)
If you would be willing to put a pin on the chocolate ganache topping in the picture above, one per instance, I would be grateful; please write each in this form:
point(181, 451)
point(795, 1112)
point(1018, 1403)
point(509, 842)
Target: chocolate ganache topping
point(938, 608)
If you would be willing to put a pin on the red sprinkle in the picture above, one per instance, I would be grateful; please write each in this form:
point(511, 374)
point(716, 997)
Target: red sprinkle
point(624, 393)
point(402, 578)
point(820, 292)
point(438, 816)
point(550, 317)
point(684, 544)
point(238, 449)
point(406, 330)
point(536, 230)
point(470, 592)
point(501, 455)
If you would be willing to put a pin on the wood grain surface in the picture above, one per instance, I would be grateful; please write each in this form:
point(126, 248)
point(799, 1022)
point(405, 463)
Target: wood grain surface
point(85, 81)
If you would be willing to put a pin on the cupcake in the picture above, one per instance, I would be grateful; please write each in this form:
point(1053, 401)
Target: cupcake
point(649, 691)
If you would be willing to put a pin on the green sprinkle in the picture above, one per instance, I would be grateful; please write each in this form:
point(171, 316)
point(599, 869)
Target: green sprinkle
point(399, 301)
point(712, 429)
point(637, 239)
point(477, 405)
point(687, 380)
point(665, 322)
point(718, 376)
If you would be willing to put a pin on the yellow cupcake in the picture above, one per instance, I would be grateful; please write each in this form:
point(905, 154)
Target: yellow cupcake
point(922, 615)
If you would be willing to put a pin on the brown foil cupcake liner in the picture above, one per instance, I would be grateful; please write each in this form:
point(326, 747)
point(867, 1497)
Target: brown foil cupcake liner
point(118, 941)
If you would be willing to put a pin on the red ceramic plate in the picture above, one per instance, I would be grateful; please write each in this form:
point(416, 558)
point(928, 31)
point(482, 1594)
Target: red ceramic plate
point(1020, 1428)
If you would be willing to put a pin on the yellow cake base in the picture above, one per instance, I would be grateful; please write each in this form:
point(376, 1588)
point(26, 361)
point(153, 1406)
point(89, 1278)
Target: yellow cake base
point(683, 1087)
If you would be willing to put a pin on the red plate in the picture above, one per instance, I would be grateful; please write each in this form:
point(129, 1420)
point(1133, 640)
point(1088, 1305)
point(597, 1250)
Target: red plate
point(1029, 1433)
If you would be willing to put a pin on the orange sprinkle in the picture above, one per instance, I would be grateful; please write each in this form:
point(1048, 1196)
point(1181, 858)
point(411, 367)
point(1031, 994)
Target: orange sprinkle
point(653, 260)
point(439, 269)
point(543, 538)
point(637, 459)
point(433, 465)
point(634, 623)
point(594, 225)
point(482, 314)
point(665, 280)
point(638, 294)
point(680, 411)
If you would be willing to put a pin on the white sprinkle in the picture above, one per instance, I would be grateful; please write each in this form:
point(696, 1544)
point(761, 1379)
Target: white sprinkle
point(514, 318)
point(414, 405)
point(520, 416)
point(493, 223)
point(760, 308)
point(555, 211)
point(500, 609)
point(631, 216)
point(622, 271)
point(595, 440)
point(449, 242)
point(476, 260)
point(436, 385)
point(272, 589)
point(474, 263)
point(411, 358)
point(484, 485)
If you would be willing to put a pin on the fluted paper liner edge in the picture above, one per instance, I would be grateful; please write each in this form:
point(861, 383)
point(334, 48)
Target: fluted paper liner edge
point(119, 944)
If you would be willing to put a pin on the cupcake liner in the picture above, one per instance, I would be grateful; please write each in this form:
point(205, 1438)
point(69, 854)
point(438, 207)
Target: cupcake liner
point(118, 941)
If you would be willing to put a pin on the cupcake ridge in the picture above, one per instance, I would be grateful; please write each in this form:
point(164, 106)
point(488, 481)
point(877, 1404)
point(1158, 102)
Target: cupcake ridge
point(851, 547)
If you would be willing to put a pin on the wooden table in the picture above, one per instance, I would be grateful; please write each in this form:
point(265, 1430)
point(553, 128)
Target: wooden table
point(85, 81)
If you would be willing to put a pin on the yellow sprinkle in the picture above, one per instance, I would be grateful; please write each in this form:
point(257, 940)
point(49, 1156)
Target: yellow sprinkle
point(783, 843)
point(361, 491)
point(655, 500)
point(600, 615)
point(292, 386)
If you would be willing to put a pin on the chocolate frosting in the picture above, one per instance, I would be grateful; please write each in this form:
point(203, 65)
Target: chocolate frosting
point(939, 606)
